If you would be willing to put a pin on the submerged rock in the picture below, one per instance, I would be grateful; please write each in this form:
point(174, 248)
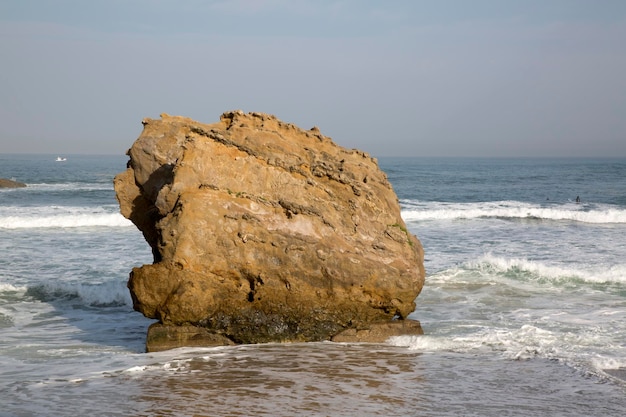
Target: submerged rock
point(262, 232)
point(379, 332)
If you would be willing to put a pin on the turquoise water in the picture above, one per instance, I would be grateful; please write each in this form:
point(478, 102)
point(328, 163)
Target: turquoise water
point(524, 308)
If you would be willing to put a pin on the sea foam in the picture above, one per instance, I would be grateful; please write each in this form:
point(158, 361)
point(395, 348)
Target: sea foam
point(501, 265)
point(11, 288)
point(68, 186)
point(425, 211)
point(490, 265)
point(60, 217)
point(110, 293)
point(522, 343)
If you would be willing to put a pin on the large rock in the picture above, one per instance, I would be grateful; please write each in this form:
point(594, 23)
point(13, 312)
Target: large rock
point(263, 232)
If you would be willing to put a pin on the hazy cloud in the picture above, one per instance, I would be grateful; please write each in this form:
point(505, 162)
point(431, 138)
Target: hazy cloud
point(456, 78)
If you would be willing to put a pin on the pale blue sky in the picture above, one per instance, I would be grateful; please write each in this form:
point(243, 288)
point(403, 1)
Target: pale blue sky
point(393, 78)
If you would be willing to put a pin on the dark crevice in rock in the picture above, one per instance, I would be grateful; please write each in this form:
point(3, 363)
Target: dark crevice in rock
point(255, 281)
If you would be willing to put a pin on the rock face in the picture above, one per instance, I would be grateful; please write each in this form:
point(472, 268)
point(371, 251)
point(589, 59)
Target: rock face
point(5, 183)
point(262, 231)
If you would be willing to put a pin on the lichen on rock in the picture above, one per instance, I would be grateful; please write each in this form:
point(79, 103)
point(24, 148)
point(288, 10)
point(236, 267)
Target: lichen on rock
point(262, 231)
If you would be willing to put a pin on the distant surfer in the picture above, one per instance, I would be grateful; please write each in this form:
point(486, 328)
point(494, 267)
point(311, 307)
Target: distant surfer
point(577, 199)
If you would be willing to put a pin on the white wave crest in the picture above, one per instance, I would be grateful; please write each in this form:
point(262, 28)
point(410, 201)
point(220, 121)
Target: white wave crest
point(103, 294)
point(59, 217)
point(66, 186)
point(106, 220)
point(417, 211)
point(490, 265)
point(501, 265)
point(11, 288)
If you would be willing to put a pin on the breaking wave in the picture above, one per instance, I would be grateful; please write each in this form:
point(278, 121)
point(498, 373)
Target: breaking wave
point(530, 270)
point(60, 217)
point(66, 186)
point(112, 293)
point(597, 213)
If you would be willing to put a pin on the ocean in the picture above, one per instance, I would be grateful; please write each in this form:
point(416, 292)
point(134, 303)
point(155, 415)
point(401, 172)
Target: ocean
point(524, 307)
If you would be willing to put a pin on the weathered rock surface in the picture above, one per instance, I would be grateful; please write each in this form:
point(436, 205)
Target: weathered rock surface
point(5, 183)
point(262, 231)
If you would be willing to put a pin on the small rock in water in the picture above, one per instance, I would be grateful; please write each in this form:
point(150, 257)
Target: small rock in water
point(6, 183)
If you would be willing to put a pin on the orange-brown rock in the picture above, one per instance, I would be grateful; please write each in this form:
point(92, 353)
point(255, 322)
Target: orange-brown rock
point(6, 183)
point(262, 231)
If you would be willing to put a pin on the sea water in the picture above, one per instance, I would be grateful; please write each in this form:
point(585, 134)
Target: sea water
point(524, 307)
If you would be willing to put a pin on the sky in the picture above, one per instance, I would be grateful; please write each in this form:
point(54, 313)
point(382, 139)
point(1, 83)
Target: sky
point(438, 78)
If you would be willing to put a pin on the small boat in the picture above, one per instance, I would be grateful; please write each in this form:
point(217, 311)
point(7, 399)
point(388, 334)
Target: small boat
point(59, 159)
